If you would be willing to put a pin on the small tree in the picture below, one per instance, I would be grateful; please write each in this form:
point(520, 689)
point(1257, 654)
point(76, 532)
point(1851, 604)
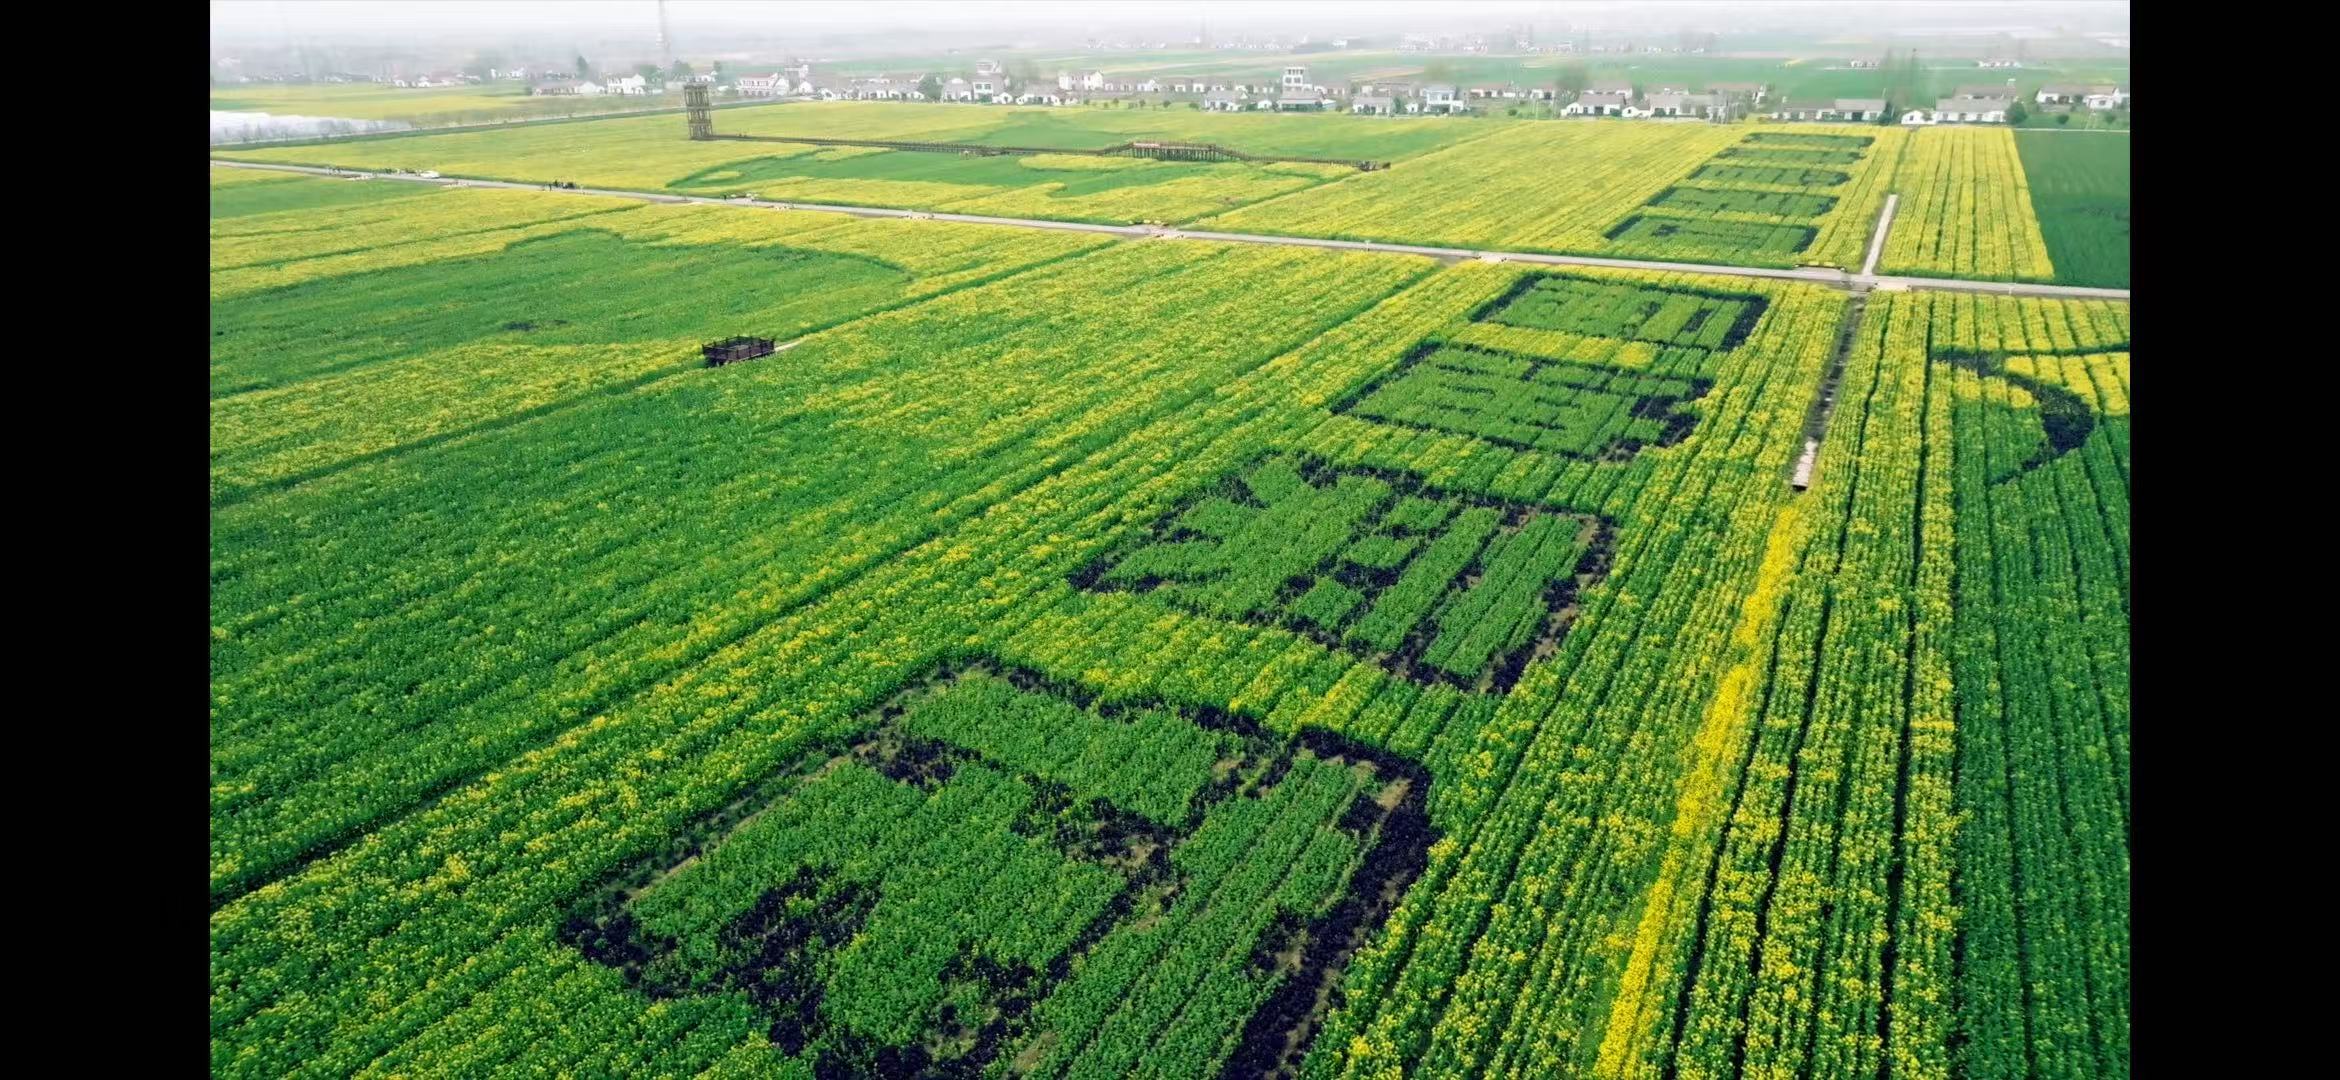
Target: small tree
point(2016, 113)
point(931, 87)
point(1573, 77)
point(649, 73)
point(2063, 119)
point(723, 76)
point(584, 70)
point(679, 72)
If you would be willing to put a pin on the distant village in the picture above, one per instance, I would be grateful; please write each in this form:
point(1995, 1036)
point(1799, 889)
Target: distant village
point(1296, 89)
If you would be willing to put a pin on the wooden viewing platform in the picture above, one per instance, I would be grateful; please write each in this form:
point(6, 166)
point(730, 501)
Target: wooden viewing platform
point(734, 349)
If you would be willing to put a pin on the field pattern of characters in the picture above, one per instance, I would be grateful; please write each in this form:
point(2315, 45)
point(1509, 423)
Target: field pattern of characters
point(997, 874)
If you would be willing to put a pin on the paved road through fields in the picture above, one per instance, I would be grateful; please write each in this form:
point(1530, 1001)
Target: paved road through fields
point(1814, 274)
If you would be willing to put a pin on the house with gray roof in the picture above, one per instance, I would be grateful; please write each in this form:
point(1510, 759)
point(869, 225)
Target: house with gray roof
point(1698, 105)
point(1590, 104)
point(1860, 110)
point(1971, 110)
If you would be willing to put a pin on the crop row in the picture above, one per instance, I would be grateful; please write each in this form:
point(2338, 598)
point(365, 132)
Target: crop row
point(1965, 209)
point(1354, 560)
point(463, 685)
point(2042, 679)
point(344, 693)
point(1579, 410)
point(1486, 965)
point(435, 908)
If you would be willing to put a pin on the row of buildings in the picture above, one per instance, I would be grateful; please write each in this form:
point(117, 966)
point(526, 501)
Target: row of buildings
point(2094, 97)
point(1965, 105)
point(1294, 91)
point(631, 85)
point(1719, 101)
point(1959, 109)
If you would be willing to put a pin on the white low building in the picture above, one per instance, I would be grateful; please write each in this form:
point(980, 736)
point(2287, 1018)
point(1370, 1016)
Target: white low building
point(1441, 98)
point(1971, 110)
point(1697, 105)
point(1591, 104)
point(1860, 110)
point(772, 85)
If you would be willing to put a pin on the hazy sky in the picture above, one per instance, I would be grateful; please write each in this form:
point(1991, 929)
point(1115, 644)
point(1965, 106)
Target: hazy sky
point(359, 19)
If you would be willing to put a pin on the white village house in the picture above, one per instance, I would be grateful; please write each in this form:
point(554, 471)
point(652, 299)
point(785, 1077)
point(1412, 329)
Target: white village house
point(772, 85)
point(1373, 104)
point(1971, 110)
point(1860, 110)
point(1590, 104)
point(1863, 110)
point(1439, 97)
point(1222, 101)
point(2095, 97)
point(1961, 110)
point(1699, 105)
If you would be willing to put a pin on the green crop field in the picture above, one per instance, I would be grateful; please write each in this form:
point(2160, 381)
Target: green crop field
point(1777, 195)
point(2080, 189)
point(1077, 653)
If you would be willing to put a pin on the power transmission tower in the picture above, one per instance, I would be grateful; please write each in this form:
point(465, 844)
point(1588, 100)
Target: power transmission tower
point(665, 42)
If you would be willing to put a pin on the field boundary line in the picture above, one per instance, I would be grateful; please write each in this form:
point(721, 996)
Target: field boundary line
point(1836, 278)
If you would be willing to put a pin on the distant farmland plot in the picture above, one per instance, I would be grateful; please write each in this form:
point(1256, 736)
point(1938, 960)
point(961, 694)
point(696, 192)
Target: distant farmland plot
point(432, 107)
point(650, 153)
point(2080, 190)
